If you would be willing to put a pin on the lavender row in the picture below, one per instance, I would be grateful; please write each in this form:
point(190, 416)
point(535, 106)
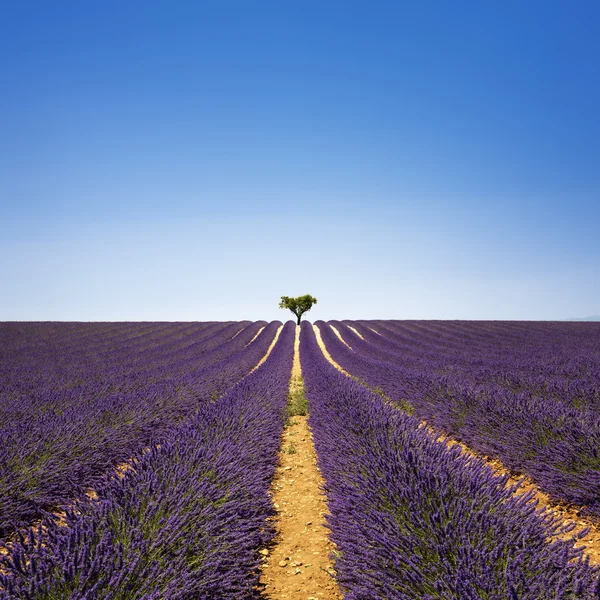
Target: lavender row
point(524, 343)
point(558, 360)
point(412, 518)
point(538, 409)
point(185, 523)
point(69, 366)
point(553, 442)
point(73, 437)
point(69, 358)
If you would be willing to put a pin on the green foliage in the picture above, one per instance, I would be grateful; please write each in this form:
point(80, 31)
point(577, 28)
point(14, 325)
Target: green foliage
point(290, 449)
point(298, 305)
point(406, 406)
point(402, 403)
point(298, 403)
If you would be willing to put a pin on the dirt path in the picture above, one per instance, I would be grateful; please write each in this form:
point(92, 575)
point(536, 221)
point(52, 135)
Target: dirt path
point(236, 334)
point(264, 358)
point(340, 336)
point(357, 333)
point(298, 566)
point(257, 334)
point(326, 352)
point(567, 513)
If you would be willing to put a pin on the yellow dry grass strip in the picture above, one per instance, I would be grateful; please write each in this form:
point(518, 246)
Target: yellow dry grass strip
point(262, 360)
point(236, 334)
point(340, 336)
point(357, 333)
point(326, 352)
point(296, 381)
point(299, 565)
point(257, 334)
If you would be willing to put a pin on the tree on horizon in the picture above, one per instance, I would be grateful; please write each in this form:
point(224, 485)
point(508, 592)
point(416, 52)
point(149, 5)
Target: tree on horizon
point(298, 305)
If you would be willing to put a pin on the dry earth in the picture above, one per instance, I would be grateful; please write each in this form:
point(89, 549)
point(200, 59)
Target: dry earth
point(339, 335)
point(257, 334)
point(264, 358)
point(299, 565)
point(358, 334)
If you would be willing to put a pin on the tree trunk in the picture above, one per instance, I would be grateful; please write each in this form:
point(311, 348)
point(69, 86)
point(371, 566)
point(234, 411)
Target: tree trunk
point(299, 317)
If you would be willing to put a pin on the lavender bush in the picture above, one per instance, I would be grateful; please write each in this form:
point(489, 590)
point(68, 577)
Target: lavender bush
point(536, 409)
point(413, 518)
point(99, 394)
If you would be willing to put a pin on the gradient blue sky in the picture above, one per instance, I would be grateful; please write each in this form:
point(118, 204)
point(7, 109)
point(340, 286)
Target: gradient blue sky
point(197, 160)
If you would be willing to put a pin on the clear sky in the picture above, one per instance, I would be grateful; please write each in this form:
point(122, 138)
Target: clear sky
point(197, 160)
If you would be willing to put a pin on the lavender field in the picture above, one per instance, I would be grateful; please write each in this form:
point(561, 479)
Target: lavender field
point(136, 459)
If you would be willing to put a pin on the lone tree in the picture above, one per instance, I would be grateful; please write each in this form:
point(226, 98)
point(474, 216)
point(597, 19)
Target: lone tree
point(298, 305)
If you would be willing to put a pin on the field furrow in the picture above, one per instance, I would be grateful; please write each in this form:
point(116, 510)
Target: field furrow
point(298, 565)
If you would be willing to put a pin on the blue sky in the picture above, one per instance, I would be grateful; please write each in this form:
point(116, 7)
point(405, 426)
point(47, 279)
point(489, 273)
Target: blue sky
point(195, 161)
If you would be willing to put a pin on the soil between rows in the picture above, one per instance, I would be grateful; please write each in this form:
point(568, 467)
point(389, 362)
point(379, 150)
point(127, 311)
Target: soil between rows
point(299, 564)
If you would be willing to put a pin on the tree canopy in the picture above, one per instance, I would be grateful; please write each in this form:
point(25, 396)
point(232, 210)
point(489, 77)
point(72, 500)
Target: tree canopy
point(298, 305)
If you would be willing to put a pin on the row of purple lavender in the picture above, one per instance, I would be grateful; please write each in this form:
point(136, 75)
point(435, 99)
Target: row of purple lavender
point(185, 522)
point(526, 393)
point(413, 518)
point(76, 400)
